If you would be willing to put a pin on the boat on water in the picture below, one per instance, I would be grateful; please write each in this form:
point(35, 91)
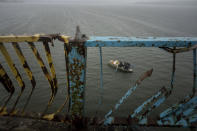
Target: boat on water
point(122, 66)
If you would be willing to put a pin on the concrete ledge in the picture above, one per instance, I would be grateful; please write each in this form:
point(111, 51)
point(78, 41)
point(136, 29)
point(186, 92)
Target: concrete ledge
point(27, 124)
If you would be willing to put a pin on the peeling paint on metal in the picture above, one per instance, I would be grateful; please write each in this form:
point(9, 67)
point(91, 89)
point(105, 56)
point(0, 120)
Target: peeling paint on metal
point(181, 114)
point(12, 38)
point(111, 41)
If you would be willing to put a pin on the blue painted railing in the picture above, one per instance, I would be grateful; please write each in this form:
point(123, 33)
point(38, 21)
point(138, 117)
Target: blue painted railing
point(111, 41)
point(185, 110)
point(180, 114)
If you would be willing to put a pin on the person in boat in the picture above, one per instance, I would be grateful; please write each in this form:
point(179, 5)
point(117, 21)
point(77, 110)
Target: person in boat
point(125, 65)
point(121, 64)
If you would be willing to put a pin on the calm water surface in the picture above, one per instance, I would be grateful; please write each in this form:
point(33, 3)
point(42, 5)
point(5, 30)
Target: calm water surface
point(124, 20)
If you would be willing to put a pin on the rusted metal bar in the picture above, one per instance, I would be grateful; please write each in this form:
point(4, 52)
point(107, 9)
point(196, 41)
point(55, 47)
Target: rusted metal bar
point(24, 63)
point(26, 38)
point(143, 118)
point(144, 76)
point(111, 41)
point(173, 70)
point(101, 76)
point(195, 72)
point(12, 66)
point(76, 55)
point(142, 107)
point(179, 50)
point(108, 120)
point(187, 121)
point(187, 98)
point(7, 83)
point(15, 73)
point(27, 70)
point(55, 84)
point(52, 116)
point(12, 38)
point(171, 113)
point(51, 65)
point(181, 112)
point(5, 80)
point(66, 49)
point(158, 98)
point(46, 73)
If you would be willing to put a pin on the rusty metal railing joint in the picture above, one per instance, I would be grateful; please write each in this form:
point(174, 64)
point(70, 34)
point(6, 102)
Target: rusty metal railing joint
point(75, 50)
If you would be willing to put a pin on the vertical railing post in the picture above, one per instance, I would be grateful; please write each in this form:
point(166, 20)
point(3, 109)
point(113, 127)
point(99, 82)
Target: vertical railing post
point(77, 54)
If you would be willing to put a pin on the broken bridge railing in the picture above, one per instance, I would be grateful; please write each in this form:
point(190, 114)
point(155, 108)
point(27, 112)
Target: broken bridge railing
point(75, 49)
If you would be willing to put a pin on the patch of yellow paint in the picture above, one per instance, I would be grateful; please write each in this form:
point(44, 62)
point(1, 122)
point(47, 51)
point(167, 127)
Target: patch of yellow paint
point(49, 116)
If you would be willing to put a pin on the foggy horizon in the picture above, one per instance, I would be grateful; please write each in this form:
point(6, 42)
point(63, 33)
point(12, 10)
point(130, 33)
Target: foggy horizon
point(103, 2)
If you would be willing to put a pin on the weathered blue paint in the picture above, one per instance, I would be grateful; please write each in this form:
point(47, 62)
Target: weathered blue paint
point(108, 114)
point(181, 112)
point(182, 122)
point(185, 108)
point(189, 111)
point(143, 119)
point(125, 96)
point(111, 41)
point(195, 71)
point(77, 72)
point(128, 93)
point(167, 111)
point(172, 79)
point(146, 103)
point(109, 120)
point(175, 107)
point(101, 75)
point(193, 118)
point(173, 70)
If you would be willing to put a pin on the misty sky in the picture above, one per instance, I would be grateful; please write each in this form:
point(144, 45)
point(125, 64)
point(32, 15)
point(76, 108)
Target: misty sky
point(105, 0)
point(190, 2)
point(119, 1)
point(111, 2)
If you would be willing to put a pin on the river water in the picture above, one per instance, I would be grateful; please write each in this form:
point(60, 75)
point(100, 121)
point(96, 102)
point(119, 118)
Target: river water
point(137, 19)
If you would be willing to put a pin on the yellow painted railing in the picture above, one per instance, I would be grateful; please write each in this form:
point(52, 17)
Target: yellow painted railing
point(50, 75)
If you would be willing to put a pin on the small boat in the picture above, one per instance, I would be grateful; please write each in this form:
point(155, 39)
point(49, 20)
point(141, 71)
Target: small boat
point(122, 66)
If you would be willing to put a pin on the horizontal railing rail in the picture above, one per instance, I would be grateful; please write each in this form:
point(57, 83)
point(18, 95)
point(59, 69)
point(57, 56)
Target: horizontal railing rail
point(111, 41)
point(75, 51)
